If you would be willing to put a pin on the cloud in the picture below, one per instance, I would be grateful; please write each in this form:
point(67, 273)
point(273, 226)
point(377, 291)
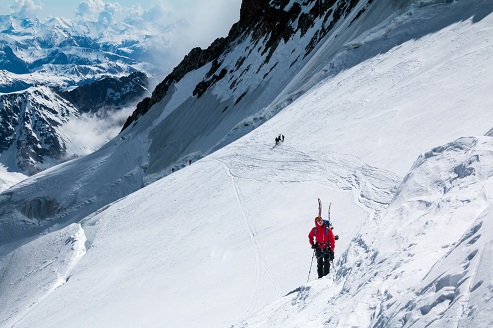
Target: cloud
point(98, 11)
point(89, 133)
point(210, 19)
point(110, 12)
point(25, 8)
point(170, 29)
point(197, 22)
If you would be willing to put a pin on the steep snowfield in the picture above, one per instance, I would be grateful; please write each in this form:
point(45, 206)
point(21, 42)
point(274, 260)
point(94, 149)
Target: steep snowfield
point(425, 261)
point(213, 241)
point(222, 241)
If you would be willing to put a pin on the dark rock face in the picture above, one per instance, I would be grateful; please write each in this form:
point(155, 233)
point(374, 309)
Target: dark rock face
point(109, 92)
point(259, 18)
point(29, 128)
point(194, 60)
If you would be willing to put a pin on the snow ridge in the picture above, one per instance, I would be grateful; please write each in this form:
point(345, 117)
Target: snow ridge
point(47, 263)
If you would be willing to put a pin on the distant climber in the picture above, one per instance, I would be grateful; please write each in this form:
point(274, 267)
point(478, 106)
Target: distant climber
point(323, 242)
point(279, 138)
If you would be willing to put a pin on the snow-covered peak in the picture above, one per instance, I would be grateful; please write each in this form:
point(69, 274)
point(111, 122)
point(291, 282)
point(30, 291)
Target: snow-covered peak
point(67, 53)
point(95, 67)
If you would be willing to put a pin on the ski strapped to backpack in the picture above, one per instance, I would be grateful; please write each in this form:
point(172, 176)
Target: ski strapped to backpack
point(327, 223)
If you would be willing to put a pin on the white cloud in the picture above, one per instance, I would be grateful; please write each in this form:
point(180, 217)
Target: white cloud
point(209, 20)
point(91, 131)
point(109, 12)
point(197, 23)
point(95, 10)
point(25, 8)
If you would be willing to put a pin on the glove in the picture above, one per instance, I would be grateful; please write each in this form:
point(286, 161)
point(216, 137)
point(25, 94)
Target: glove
point(315, 246)
point(331, 256)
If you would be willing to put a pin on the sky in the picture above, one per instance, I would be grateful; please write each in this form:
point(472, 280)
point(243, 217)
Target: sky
point(208, 19)
point(223, 242)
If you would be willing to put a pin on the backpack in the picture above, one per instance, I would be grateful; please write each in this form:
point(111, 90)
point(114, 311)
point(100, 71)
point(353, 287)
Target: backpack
point(327, 225)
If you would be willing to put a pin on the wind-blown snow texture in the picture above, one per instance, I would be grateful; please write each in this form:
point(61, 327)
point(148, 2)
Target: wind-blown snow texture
point(223, 242)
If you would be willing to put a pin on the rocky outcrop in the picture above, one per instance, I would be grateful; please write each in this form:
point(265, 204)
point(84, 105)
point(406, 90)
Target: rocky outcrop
point(29, 128)
point(275, 20)
point(109, 92)
point(195, 59)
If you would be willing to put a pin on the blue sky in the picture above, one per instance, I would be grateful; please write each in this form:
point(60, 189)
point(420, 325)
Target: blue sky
point(208, 19)
point(47, 8)
point(67, 8)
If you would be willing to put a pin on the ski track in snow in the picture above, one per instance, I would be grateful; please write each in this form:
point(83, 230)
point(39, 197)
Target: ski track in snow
point(372, 191)
point(261, 264)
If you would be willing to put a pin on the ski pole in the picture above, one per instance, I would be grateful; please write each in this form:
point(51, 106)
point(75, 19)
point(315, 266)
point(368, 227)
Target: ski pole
point(310, 267)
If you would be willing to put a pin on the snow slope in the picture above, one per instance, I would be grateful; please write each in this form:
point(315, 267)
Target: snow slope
point(423, 262)
point(8, 179)
point(203, 249)
point(414, 51)
point(220, 242)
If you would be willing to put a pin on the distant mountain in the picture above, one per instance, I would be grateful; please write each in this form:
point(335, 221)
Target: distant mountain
point(76, 52)
point(10, 62)
point(30, 136)
point(108, 93)
point(95, 67)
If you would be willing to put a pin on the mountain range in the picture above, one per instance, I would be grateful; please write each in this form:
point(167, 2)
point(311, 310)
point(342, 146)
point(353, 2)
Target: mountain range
point(96, 68)
point(193, 214)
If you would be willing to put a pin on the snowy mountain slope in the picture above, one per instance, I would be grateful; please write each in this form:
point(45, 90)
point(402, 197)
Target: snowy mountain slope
point(49, 261)
point(215, 242)
point(160, 145)
point(416, 85)
point(262, 69)
point(200, 101)
point(30, 136)
point(424, 262)
point(238, 218)
point(203, 249)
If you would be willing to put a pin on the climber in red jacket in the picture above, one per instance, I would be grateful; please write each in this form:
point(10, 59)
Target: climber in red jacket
point(323, 242)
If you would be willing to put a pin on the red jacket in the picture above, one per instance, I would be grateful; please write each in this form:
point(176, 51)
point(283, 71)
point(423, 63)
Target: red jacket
point(323, 236)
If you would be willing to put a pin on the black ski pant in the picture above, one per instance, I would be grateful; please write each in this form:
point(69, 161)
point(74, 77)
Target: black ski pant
point(323, 261)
